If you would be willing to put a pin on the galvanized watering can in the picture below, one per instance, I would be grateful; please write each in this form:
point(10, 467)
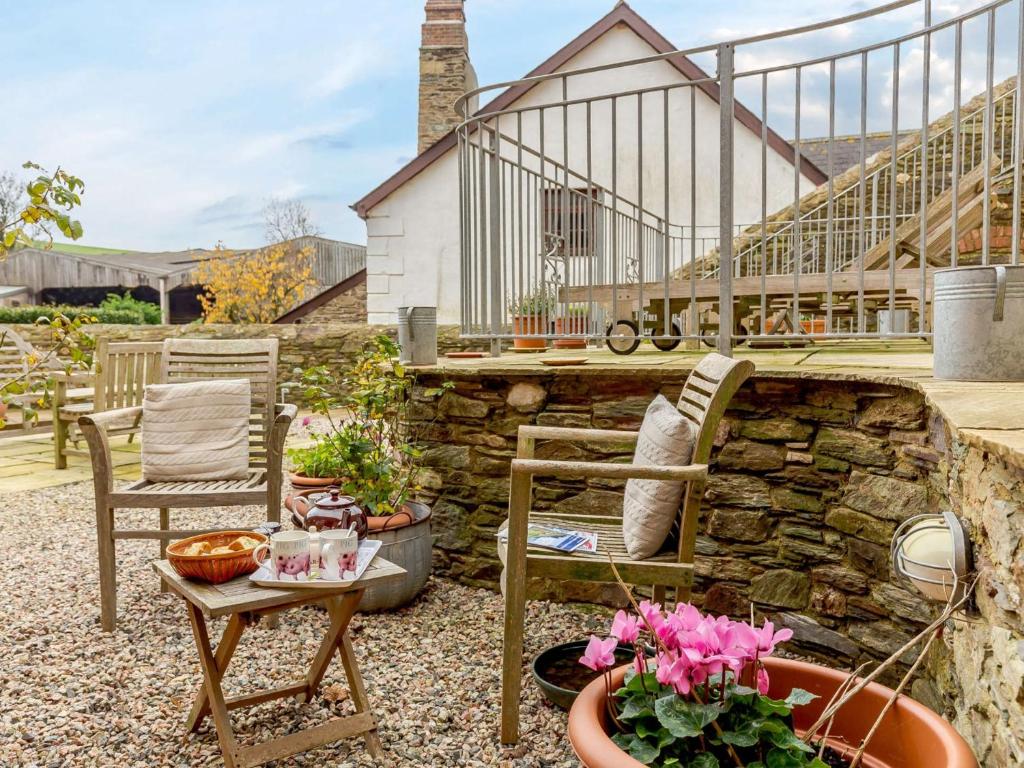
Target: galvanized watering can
point(979, 323)
point(417, 335)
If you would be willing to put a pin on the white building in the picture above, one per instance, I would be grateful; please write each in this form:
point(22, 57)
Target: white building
point(413, 220)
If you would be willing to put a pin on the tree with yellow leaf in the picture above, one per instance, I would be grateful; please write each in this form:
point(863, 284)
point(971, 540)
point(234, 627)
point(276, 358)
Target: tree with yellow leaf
point(254, 286)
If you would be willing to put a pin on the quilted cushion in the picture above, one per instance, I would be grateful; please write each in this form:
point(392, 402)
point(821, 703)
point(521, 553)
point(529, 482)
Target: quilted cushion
point(197, 430)
point(651, 506)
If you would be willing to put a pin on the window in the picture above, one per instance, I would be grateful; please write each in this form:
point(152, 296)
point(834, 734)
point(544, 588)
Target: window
point(578, 221)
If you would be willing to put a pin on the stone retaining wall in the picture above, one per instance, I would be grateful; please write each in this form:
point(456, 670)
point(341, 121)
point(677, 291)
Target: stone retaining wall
point(809, 480)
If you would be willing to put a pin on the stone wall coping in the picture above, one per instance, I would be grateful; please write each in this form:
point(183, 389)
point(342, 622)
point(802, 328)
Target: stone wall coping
point(985, 415)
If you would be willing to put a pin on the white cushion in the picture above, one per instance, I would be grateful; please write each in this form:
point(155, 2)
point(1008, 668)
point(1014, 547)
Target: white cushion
point(651, 506)
point(197, 430)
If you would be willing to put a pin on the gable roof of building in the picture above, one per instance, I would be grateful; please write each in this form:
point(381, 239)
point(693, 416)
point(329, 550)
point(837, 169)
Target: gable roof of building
point(622, 13)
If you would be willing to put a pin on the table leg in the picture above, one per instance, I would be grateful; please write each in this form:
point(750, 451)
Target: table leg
point(225, 649)
point(212, 676)
point(358, 691)
point(341, 611)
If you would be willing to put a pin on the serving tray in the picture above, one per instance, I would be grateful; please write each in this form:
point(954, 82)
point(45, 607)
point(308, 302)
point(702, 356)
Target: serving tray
point(368, 548)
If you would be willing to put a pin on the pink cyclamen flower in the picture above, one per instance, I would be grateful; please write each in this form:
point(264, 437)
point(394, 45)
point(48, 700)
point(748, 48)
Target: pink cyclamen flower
point(768, 638)
point(762, 680)
point(306, 420)
point(625, 627)
point(652, 614)
point(600, 654)
point(676, 672)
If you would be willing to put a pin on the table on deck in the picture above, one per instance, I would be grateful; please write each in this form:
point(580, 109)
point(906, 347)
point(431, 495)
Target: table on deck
point(244, 603)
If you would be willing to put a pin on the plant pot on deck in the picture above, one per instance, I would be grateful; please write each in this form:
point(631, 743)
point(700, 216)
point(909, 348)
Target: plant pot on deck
point(302, 481)
point(574, 324)
point(524, 327)
point(911, 735)
point(405, 541)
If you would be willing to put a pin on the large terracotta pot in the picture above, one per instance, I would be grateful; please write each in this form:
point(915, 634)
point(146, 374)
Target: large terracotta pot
point(571, 324)
point(528, 324)
point(300, 480)
point(911, 735)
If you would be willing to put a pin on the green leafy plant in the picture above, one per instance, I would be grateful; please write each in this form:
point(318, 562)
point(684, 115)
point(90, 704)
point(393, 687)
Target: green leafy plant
point(366, 449)
point(51, 198)
point(147, 312)
point(30, 314)
point(540, 301)
point(31, 387)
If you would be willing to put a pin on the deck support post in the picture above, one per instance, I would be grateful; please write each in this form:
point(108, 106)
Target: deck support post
point(725, 201)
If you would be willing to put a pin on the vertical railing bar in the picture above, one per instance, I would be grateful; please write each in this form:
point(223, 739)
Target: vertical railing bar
point(922, 246)
point(517, 289)
point(494, 230)
point(615, 212)
point(1018, 118)
point(641, 309)
point(694, 314)
point(986, 141)
point(830, 226)
point(591, 228)
point(954, 248)
point(462, 229)
point(764, 202)
point(892, 182)
point(725, 180)
point(797, 251)
point(563, 307)
point(666, 257)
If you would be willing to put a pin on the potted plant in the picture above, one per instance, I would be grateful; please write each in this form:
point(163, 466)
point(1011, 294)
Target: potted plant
point(530, 314)
point(367, 456)
point(713, 695)
point(577, 322)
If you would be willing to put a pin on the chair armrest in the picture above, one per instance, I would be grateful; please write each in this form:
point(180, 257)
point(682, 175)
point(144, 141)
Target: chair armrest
point(552, 468)
point(111, 419)
point(284, 413)
point(577, 434)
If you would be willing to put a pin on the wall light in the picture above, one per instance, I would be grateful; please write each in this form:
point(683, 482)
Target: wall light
point(933, 553)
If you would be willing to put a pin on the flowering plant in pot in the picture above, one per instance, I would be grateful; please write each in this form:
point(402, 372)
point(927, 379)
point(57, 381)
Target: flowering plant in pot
point(530, 312)
point(702, 700)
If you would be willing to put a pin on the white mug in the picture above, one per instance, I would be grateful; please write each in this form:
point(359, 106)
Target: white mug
point(338, 553)
point(289, 555)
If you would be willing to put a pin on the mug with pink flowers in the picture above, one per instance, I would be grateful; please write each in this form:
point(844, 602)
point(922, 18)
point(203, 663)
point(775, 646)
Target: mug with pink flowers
point(702, 699)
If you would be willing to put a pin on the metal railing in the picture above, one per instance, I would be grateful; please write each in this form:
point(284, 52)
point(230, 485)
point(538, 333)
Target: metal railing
point(605, 207)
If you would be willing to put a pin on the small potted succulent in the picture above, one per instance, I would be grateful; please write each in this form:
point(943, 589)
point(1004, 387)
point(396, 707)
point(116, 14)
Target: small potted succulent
point(713, 695)
point(576, 322)
point(367, 456)
point(531, 314)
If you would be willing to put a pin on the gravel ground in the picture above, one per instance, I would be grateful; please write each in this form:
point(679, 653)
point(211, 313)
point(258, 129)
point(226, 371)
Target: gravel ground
point(71, 695)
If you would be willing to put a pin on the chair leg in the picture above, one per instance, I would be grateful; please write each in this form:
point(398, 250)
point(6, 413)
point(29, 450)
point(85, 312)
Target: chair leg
point(165, 525)
point(108, 568)
point(515, 608)
point(658, 594)
point(60, 442)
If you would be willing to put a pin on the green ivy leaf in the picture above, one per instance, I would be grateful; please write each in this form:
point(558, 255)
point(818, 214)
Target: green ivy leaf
point(685, 719)
point(704, 760)
point(745, 737)
point(636, 707)
point(768, 707)
point(798, 697)
point(780, 758)
point(637, 748)
point(784, 738)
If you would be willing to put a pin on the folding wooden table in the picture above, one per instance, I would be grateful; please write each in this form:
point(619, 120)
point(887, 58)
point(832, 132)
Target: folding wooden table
point(244, 603)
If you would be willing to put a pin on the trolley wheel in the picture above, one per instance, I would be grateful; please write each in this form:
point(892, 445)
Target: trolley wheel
point(623, 346)
point(711, 340)
point(667, 345)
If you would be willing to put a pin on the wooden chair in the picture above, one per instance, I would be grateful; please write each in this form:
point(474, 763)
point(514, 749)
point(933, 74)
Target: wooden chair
point(190, 360)
point(14, 352)
point(705, 395)
point(121, 371)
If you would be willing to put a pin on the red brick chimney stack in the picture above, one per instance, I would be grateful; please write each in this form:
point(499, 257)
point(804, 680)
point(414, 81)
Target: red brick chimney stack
point(445, 70)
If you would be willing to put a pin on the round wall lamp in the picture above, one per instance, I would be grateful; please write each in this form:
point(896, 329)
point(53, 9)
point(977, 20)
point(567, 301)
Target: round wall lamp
point(933, 552)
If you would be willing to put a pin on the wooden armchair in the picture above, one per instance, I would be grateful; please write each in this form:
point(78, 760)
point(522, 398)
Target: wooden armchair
point(190, 360)
point(705, 395)
point(121, 371)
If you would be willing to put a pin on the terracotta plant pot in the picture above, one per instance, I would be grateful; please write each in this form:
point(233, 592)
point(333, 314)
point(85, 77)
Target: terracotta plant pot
point(571, 324)
point(911, 735)
point(528, 324)
point(299, 480)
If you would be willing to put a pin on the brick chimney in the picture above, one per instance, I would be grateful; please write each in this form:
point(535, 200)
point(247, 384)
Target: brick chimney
point(445, 71)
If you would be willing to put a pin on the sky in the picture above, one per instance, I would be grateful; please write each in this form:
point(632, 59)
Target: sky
point(185, 116)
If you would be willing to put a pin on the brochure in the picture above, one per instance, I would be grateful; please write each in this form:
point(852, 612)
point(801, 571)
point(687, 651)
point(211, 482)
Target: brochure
point(550, 536)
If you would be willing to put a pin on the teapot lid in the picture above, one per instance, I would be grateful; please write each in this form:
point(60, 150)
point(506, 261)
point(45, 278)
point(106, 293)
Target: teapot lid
point(333, 499)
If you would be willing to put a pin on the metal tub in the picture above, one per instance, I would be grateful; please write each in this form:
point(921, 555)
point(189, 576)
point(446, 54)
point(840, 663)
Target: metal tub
point(979, 323)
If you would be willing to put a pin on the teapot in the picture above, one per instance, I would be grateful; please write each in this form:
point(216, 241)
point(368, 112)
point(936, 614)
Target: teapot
point(331, 510)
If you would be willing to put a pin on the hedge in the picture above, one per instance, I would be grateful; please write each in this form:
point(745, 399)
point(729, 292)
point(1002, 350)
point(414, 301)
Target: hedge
point(14, 315)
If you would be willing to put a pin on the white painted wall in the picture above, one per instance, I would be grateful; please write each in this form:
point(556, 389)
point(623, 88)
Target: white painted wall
point(413, 236)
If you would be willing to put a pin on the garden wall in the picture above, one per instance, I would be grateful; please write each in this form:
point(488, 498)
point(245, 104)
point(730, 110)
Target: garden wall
point(301, 345)
point(809, 480)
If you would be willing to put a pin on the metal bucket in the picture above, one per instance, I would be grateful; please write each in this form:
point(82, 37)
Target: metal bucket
point(417, 335)
point(979, 323)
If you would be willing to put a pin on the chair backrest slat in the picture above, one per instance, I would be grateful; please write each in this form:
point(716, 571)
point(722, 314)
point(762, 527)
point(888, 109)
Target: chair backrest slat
point(706, 394)
point(123, 369)
point(253, 359)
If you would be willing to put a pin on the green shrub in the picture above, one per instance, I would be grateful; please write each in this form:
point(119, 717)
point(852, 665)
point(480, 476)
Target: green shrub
point(149, 311)
point(13, 315)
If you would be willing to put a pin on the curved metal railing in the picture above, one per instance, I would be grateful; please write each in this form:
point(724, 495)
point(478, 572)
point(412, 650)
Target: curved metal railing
point(610, 194)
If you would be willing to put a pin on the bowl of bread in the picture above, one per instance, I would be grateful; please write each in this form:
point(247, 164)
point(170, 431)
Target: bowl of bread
point(215, 557)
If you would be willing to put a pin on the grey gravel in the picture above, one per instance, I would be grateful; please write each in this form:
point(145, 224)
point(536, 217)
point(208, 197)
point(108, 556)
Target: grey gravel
point(71, 695)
